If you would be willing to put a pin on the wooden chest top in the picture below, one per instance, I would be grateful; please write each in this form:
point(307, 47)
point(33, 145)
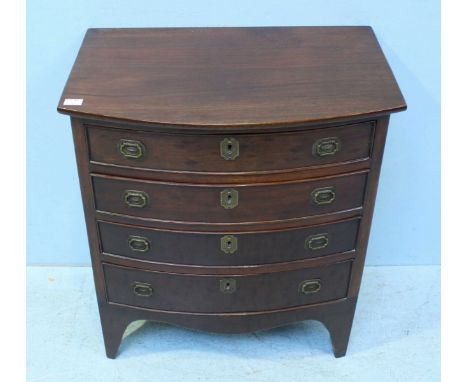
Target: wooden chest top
point(231, 77)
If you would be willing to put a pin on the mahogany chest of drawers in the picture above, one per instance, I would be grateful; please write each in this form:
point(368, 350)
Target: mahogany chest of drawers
point(229, 175)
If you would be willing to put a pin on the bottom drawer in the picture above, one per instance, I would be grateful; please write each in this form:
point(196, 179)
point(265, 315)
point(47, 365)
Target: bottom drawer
point(216, 294)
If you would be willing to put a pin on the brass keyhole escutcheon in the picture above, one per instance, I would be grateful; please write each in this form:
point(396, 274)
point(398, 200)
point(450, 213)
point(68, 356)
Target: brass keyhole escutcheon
point(324, 195)
point(229, 198)
point(131, 149)
point(229, 148)
point(137, 199)
point(229, 244)
point(315, 242)
point(326, 146)
point(310, 286)
point(227, 286)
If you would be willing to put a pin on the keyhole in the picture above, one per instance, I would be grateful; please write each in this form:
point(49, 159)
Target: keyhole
point(229, 244)
point(229, 198)
point(229, 147)
point(228, 286)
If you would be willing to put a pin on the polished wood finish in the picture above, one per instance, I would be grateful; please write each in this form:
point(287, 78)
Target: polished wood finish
point(202, 294)
point(337, 316)
point(229, 269)
point(257, 152)
point(176, 94)
point(369, 202)
point(231, 76)
point(252, 248)
point(201, 203)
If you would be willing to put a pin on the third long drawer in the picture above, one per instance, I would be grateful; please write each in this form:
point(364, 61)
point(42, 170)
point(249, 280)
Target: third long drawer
point(225, 248)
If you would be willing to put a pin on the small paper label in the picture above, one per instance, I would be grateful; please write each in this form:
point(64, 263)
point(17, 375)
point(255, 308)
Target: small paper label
point(73, 102)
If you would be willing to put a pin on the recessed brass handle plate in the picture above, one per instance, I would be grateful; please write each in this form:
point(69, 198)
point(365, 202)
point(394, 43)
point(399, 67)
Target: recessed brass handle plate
point(314, 242)
point(325, 195)
point(142, 289)
point(310, 286)
point(326, 146)
point(131, 149)
point(229, 244)
point(229, 198)
point(138, 243)
point(136, 199)
point(229, 148)
point(227, 286)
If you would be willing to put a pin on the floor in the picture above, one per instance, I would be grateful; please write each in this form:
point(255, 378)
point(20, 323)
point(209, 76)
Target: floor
point(395, 337)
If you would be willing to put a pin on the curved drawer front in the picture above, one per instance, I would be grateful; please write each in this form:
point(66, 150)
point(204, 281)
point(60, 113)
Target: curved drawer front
point(227, 249)
point(214, 294)
point(231, 204)
point(230, 153)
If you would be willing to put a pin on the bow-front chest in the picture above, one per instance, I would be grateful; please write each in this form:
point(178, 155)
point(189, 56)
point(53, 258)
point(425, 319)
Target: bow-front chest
point(229, 175)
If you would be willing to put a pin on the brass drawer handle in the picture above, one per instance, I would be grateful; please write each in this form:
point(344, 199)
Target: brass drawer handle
point(324, 195)
point(138, 243)
point(229, 244)
point(138, 199)
point(142, 289)
point(315, 242)
point(229, 148)
point(227, 286)
point(131, 149)
point(310, 286)
point(229, 198)
point(326, 146)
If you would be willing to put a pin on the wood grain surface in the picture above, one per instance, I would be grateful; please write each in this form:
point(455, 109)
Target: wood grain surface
point(256, 153)
point(231, 76)
point(202, 203)
point(202, 294)
point(251, 248)
point(160, 219)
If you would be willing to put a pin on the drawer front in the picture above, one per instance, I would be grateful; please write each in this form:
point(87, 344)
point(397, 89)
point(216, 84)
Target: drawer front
point(214, 294)
point(230, 153)
point(227, 249)
point(230, 204)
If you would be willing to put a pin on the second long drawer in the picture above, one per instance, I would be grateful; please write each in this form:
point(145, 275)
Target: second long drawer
point(208, 204)
point(227, 249)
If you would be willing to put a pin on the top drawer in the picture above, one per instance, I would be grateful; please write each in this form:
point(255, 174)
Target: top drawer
point(242, 153)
